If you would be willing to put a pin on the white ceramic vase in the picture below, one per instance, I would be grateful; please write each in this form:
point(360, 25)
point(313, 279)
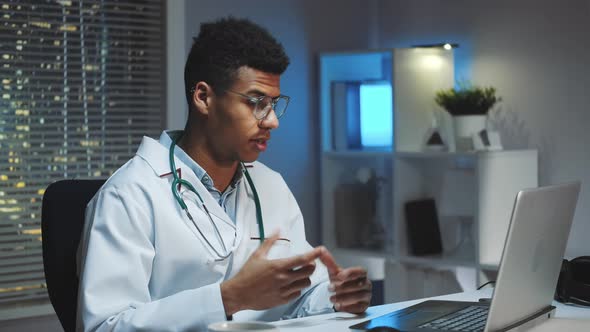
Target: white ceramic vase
point(465, 126)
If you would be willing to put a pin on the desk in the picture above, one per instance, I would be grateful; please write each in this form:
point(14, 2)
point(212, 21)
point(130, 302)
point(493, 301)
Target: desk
point(567, 318)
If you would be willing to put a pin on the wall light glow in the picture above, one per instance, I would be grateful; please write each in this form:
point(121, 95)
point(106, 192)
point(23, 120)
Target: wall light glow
point(433, 62)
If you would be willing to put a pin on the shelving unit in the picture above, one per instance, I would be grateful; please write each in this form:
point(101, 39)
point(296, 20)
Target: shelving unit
point(475, 193)
point(364, 187)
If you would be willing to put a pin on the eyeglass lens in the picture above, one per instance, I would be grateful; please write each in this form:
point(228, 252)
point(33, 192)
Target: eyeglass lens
point(264, 106)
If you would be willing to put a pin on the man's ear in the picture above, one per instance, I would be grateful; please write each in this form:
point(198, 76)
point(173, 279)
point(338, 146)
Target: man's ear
point(202, 97)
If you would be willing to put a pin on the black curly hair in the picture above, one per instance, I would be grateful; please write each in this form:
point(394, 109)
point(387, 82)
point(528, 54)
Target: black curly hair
point(223, 46)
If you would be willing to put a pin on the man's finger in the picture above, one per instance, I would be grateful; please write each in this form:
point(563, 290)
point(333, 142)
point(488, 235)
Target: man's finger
point(303, 272)
point(267, 244)
point(347, 299)
point(352, 286)
point(295, 286)
point(292, 296)
point(357, 308)
point(287, 277)
point(351, 273)
point(300, 260)
point(329, 262)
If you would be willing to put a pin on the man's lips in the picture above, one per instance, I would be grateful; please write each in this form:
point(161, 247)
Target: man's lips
point(261, 143)
point(261, 139)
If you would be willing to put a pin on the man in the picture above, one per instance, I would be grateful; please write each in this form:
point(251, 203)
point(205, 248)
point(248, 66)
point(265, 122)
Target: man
point(175, 239)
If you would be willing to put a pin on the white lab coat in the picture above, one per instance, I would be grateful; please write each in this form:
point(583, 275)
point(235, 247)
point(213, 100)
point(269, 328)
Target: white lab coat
point(143, 265)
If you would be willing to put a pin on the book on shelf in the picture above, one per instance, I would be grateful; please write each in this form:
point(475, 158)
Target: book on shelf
point(346, 126)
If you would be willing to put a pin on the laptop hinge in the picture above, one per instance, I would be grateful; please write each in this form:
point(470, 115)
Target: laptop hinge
point(530, 321)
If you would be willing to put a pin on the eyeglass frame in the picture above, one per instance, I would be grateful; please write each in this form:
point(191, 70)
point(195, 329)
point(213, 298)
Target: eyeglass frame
point(256, 101)
point(273, 103)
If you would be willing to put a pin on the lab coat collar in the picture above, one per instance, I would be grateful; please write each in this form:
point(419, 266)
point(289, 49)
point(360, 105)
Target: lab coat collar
point(156, 155)
point(166, 139)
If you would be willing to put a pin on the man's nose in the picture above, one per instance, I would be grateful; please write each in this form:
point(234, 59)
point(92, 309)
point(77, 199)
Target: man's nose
point(270, 121)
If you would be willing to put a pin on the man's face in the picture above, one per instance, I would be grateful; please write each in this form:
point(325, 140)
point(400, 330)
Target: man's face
point(235, 134)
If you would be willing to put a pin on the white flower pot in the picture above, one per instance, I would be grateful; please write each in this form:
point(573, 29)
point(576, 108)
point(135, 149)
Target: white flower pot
point(465, 126)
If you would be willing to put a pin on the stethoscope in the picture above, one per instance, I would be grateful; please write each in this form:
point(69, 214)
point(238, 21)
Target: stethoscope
point(178, 182)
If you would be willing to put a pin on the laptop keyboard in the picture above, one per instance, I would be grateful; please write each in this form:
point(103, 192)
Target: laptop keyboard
point(469, 319)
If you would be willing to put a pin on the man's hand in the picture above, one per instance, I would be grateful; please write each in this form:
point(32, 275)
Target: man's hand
point(351, 287)
point(264, 283)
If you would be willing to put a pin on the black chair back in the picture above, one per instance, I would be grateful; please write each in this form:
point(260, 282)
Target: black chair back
point(62, 221)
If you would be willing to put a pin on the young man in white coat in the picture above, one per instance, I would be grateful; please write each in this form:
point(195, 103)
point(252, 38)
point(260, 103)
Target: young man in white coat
point(175, 239)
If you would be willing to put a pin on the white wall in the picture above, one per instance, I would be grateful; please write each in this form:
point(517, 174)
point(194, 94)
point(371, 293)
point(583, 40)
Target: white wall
point(303, 27)
point(537, 54)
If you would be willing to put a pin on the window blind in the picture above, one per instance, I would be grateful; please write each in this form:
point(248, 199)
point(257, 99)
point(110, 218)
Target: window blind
point(81, 83)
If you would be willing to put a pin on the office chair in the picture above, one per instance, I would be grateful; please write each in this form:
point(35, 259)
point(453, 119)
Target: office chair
point(62, 221)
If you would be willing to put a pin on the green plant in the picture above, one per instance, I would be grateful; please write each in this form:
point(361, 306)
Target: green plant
point(467, 100)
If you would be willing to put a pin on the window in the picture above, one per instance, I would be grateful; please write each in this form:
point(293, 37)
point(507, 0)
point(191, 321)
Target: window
point(81, 84)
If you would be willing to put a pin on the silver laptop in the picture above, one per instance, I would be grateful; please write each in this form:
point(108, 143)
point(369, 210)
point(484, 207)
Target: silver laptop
point(531, 261)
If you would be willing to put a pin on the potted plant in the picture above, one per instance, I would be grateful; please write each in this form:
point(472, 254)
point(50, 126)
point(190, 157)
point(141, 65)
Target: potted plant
point(469, 106)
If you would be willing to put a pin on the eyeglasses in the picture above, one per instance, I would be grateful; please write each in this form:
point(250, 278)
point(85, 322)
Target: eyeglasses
point(263, 104)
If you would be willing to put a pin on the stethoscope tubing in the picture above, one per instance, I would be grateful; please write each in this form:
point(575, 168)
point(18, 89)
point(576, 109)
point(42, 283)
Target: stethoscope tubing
point(177, 183)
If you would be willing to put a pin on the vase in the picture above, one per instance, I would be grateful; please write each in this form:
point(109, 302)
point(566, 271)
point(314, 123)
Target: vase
point(465, 126)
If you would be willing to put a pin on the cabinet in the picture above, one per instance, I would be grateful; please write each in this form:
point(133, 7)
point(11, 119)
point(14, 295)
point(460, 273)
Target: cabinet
point(376, 109)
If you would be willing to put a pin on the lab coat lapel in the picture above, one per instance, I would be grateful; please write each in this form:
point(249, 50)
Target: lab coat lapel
point(157, 156)
point(212, 205)
point(245, 213)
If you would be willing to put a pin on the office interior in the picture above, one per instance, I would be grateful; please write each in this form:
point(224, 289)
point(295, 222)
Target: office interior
point(533, 52)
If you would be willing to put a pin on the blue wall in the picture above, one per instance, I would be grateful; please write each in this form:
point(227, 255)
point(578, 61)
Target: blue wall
point(304, 27)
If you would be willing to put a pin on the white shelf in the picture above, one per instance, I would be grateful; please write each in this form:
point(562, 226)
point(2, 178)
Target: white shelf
point(463, 154)
point(357, 154)
point(440, 261)
point(433, 154)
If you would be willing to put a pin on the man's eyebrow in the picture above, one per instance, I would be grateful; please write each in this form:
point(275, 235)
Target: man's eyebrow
point(255, 92)
point(258, 93)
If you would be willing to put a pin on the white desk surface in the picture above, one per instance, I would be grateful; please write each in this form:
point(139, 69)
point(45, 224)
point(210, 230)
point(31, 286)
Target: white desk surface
point(567, 318)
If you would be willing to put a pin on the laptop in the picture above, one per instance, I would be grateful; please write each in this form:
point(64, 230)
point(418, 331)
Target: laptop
point(531, 261)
